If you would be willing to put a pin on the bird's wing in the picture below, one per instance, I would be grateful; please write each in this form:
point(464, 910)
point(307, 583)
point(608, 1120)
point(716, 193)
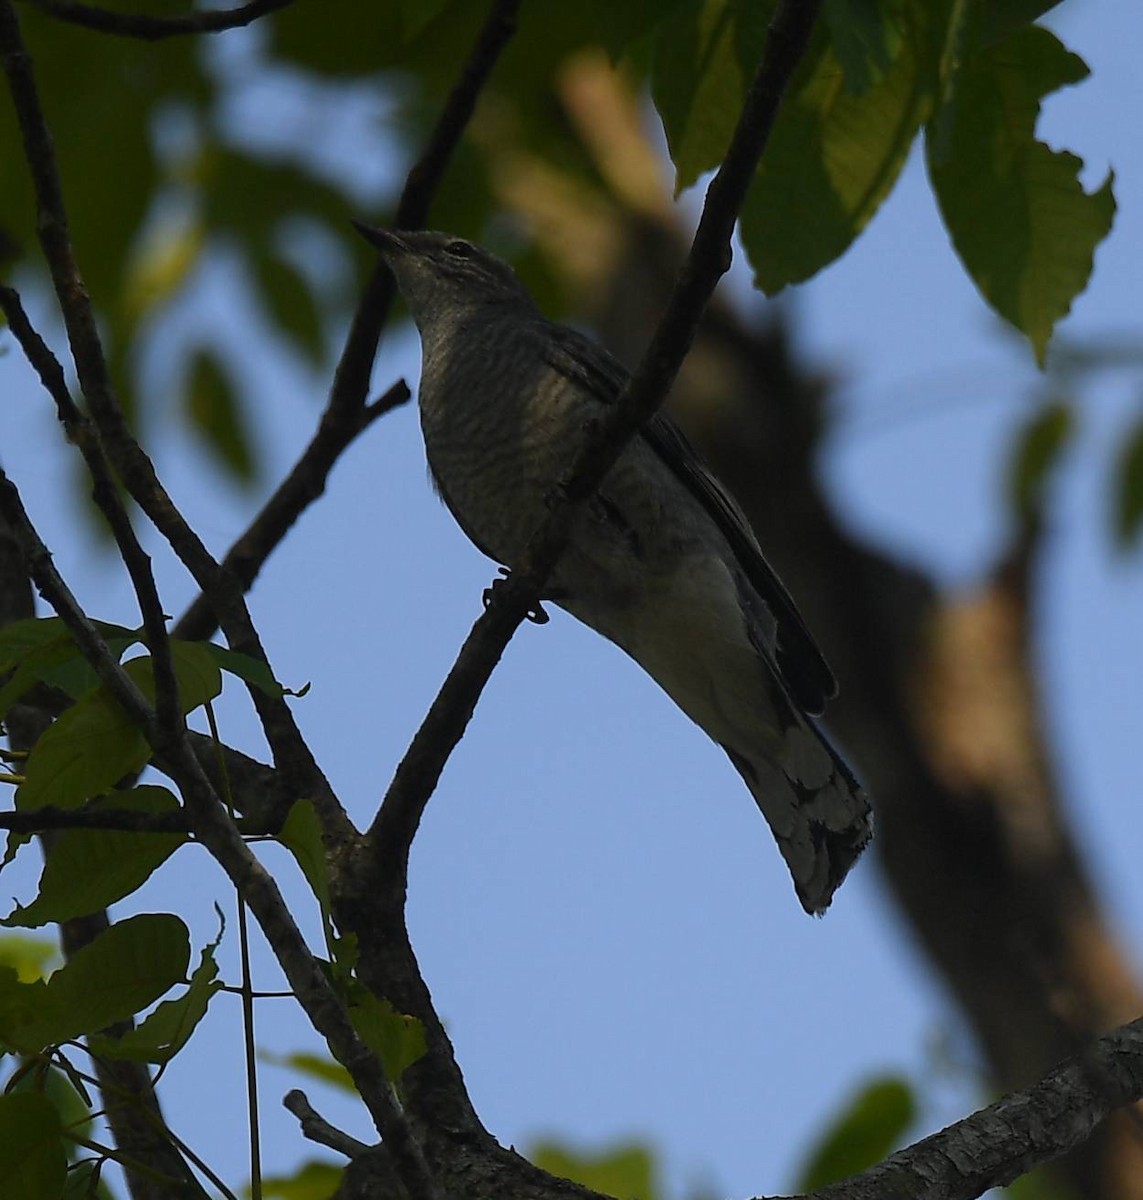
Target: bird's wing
point(799, 661)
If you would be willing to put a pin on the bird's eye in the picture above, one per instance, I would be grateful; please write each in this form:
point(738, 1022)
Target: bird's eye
point(459, 249)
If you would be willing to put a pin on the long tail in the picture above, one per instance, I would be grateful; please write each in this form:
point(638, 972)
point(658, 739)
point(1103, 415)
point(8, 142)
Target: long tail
point(818, 812)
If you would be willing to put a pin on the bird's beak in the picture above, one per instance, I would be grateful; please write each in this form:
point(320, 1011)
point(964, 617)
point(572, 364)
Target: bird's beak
point(388, 243)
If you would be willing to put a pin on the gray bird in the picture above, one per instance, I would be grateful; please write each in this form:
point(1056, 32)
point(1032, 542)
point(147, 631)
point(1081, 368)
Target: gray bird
point(661, 561)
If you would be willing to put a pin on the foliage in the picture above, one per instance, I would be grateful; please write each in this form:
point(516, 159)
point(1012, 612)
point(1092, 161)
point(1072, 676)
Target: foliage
point(162, 191)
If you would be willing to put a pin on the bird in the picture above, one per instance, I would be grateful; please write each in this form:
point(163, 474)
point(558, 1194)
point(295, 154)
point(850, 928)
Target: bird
point(661, 560)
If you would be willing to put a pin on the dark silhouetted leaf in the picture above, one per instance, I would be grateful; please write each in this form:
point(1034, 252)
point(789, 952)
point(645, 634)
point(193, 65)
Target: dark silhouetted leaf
point(1128, 483)
point(212, 408)
point(168, 1029)
point(90, 869)
point(33, 1157)
point(1036, 452)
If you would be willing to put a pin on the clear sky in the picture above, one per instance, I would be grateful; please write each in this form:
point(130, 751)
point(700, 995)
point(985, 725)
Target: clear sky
point(599, 910)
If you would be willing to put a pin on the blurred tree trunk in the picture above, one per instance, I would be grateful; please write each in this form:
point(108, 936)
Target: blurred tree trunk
point(940, 702)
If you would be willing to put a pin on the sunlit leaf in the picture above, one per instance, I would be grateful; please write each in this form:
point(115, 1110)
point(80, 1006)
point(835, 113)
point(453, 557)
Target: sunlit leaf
point(624, 1171)
point(398, 1040)
point(160, 267)
point(312, 1181)
point(703, 59)
point(1015, 209)
point(832, 159)
point(29, 957)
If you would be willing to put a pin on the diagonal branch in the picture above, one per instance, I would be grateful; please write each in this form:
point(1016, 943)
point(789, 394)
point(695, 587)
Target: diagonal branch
point(1008, 1139)
point(79, 431)
point(346, 415)
point(131, 463)
point(709, 258)
point(153, 29)
point(212, 825)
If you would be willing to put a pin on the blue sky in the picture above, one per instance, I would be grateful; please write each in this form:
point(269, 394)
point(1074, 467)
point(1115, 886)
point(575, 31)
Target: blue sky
point(600, 912)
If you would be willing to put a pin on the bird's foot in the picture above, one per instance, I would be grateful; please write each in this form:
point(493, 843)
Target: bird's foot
point(536, 614)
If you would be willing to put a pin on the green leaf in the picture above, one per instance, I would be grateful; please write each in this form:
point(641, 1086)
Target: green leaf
point(212, 410)
point(625, 1171)
point(1037, 450)
point(196, 672)
point(33, 1158)
point(92, 746)
point(704, 56)
point(42, 650)
point(398, 1040)
point(254, 671)
point(831, 161)
point(416, 14)
point(301, 835)
point(865, 37)
point(1128, 484)
point(29, 957)
point(1015, 209)
point(998, 21)
point(317, 1066)
point(168, 1029)
point(290, 301)
point(313, 1181)
point(620, 23)
point(866, 1130)
point(123, 971)
point(89, 869)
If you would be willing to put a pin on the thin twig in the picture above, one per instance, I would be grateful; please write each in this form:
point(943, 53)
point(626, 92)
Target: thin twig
point(153, 29)
point(318, 1129)
point(126, 820)
point(513, 598)
point(133, 466)
point(79, 430)
point(346, 416)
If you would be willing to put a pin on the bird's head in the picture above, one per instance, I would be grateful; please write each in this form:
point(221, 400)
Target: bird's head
point(440, 275)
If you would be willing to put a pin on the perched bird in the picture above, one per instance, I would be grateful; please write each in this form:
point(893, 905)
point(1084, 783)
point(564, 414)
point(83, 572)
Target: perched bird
point(661, 561)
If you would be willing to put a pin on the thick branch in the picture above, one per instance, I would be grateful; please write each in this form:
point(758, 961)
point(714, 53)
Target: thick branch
point(1008, 1139)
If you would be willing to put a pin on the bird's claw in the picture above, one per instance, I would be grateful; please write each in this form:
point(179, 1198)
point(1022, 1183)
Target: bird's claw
point(536, 614)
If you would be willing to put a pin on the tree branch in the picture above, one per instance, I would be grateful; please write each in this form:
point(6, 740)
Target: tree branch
point(1008, 1139)
point(416, 777)
point(78, 430)
point(153, 29)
